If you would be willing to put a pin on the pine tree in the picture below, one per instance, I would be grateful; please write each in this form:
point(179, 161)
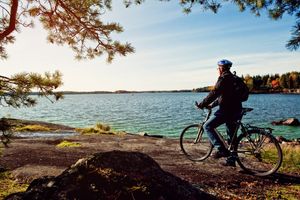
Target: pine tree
point(15, 91)
point(283, 81)
point(75, 23)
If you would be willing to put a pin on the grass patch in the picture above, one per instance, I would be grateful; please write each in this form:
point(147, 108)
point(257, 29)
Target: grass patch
point(31, 128)
point(8, 185)
point(99, 129)
point(285, 192)
point(66, 144)
point(291, 158)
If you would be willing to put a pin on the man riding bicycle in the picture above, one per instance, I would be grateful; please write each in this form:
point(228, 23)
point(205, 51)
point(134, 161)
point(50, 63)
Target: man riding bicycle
point(229, 112)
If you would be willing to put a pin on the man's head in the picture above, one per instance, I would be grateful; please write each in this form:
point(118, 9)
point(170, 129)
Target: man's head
point(224, 65)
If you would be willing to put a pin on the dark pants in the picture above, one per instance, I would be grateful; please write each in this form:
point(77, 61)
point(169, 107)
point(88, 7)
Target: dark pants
point(218, 119)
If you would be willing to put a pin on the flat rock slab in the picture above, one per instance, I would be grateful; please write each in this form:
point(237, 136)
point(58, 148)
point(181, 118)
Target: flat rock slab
point(113, 175)
point(210, 175)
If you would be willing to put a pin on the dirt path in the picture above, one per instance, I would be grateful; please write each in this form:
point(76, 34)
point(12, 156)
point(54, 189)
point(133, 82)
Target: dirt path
point(32, 158)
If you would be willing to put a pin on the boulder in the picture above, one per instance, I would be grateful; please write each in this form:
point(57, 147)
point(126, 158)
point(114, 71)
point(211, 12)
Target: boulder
point(113, 175)
point(288, 122)
point(291, 122)
point(282, 139)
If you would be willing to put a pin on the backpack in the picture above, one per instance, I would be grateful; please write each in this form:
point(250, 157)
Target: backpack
point(240, 88)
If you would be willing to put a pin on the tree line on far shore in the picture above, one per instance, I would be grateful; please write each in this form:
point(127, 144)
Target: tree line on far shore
point(287, 82)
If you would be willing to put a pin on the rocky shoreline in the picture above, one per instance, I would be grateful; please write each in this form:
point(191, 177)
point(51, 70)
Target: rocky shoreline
point(30, 158)
point(52, 126)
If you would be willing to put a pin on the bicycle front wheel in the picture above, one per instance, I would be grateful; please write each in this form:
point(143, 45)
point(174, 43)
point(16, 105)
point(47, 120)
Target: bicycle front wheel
point(258, 153)
point(194, 143)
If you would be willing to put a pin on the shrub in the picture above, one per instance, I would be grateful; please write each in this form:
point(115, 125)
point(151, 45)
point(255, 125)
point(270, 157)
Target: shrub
point(98, 129)
point(103, 127)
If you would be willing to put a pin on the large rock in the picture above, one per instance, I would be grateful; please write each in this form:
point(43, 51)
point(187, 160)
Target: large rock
point(113, 175)
point(288, 122)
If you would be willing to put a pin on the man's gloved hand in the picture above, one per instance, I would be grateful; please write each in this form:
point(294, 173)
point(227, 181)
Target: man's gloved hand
point(199, 105)
point(209, 107)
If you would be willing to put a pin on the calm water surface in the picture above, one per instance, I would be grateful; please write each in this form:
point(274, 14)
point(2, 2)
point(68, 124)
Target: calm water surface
point(155, 113)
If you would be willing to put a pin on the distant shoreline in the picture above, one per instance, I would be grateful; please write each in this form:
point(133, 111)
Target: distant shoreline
point(293, 91)
point(174, 91)
point(126, 92)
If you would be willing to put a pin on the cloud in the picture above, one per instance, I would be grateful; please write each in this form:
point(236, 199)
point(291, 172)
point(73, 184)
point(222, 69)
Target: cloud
point(267, 63)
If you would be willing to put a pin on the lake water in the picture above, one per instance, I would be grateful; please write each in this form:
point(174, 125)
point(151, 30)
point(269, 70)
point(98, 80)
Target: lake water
point(154, 113)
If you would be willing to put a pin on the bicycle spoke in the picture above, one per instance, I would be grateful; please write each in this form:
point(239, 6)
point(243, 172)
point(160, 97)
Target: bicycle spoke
point(194, 143)
point(260, 145)
point(258, 153)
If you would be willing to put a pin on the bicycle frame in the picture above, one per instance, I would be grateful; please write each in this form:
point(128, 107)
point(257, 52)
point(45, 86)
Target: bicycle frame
point(199, 135)
point(240, 126)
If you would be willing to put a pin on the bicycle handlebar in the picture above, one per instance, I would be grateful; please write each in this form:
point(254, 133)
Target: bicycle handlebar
point(207, 108)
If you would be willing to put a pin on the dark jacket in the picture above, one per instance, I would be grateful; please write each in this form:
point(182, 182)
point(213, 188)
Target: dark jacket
point(224, 93)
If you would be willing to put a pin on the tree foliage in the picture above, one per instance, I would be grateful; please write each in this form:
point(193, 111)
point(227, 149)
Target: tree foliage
point(267, 83)
point(276, 9)
point(289, 80)
point(78, 23)
point(15, 90)
point(75, 23)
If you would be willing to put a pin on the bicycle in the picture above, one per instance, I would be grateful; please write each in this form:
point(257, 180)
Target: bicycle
point(255, 150)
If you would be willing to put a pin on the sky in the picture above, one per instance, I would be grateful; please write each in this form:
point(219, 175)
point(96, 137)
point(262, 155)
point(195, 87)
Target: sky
point(173, 50)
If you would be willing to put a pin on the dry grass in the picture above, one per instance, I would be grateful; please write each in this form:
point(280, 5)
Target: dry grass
point(291, 158)
point(290, 192)
point(8, 185)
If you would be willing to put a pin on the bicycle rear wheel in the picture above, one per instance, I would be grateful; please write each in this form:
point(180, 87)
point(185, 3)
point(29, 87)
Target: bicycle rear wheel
point(194, 143)
point(258, 152)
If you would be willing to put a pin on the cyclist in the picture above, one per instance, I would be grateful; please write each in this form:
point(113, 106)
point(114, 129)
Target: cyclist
point(230, 108)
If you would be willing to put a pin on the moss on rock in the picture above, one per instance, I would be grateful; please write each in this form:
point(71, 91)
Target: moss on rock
point(32, 128)
point(66, 144)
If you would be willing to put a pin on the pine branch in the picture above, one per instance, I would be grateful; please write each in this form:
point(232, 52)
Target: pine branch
point(12, 21)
